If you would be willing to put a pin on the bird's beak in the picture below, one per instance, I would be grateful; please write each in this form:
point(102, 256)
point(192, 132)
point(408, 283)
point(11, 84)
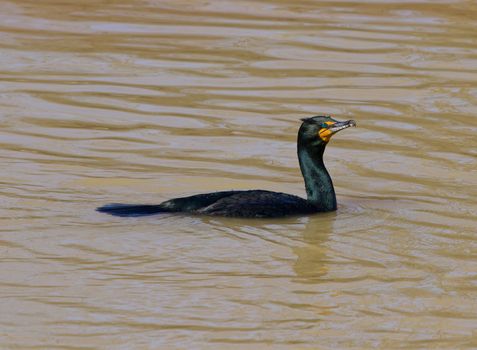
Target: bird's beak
point(326, 133)
point(334, 128)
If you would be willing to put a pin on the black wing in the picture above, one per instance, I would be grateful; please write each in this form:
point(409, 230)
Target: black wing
point(259, 204)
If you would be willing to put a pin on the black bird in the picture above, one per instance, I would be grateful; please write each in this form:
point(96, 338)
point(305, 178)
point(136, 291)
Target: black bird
point(313, 136)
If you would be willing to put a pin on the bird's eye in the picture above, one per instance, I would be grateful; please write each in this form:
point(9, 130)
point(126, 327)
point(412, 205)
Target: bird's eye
point(324, 126)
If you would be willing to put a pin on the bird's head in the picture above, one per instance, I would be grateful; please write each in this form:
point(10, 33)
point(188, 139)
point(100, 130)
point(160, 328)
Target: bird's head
point(317, 131)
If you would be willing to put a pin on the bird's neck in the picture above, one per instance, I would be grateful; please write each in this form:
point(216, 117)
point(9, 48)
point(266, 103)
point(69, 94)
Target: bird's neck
point(318, 184)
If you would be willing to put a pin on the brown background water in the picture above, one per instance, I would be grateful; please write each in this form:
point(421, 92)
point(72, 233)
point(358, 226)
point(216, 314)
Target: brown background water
point(140, 101)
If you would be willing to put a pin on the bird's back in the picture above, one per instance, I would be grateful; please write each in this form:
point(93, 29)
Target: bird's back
point(258, 204)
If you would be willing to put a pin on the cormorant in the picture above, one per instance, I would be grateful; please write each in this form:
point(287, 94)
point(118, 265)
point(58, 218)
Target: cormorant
point(313, 136)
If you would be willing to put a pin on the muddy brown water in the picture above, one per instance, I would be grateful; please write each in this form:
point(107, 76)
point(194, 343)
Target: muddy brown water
point(140, 101)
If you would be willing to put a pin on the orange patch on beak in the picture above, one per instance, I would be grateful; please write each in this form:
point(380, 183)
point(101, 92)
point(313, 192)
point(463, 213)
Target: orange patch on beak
point(325, 133)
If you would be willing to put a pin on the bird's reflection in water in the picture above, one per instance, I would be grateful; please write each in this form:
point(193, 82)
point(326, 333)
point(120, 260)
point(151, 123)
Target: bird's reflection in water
point(311, 262)
point(305, 238)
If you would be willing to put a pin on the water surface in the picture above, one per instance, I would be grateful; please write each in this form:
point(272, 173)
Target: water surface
point(140, 101)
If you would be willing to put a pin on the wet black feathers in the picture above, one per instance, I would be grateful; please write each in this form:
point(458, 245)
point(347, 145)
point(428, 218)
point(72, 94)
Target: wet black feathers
point(248, 204)
point(259, 204)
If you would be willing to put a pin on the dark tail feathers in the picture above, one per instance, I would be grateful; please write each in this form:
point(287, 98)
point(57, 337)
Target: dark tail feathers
point(131, 210)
